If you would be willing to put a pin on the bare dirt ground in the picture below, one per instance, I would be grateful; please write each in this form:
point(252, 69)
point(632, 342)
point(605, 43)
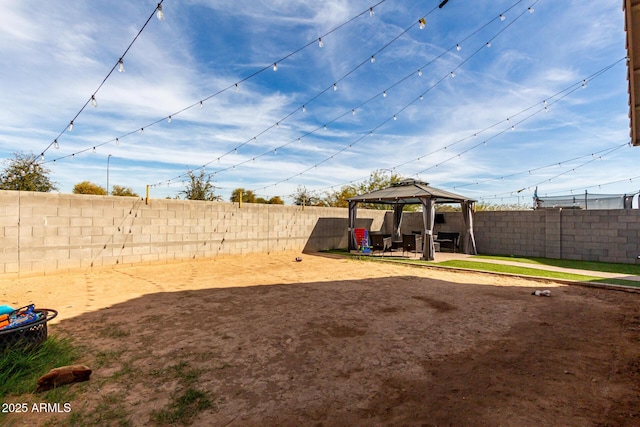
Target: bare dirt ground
point(263, 340)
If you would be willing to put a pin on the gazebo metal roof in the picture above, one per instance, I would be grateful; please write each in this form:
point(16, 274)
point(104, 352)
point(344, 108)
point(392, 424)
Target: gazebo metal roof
point(410, 191)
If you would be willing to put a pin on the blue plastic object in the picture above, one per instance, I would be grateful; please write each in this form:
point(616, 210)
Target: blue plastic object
point(6, 309)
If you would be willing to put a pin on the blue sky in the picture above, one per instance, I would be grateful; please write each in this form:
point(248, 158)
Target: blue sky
point(55, 54)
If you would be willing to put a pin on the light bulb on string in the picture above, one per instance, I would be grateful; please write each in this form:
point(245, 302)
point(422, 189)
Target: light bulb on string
point(453, 74)
point(419, 73)
point(117, 141)
point(55, 144)
point(395, 117)
point(94, 149)
point(502, 17)
point(531, 9)
point(120, 65)
point(488, 44)
point(70, 126)
point(201, 105)
point(373, 59)
point(384, 94)
point(458, 47)
point(335, 87)
point(275, 66)
point(353, 112)
point(371, 12)
point(423, 23)
point(304, 109)
point(584, 84)
point(94, 103)
point(169, 119)
point(141, 131)
point(421, 97)
point(320, 42)
point(159, 13)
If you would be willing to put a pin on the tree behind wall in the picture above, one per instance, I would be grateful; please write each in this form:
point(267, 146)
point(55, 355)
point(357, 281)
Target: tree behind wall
point(118, 190)
point(87, 187)
point(24, 173)
point(199, 187)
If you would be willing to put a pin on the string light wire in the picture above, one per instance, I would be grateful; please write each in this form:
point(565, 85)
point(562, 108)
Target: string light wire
point(92, 98)
point(328, 88)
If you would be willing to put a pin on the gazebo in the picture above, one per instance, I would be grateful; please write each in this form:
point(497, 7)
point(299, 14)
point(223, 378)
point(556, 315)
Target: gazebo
point(416, 192)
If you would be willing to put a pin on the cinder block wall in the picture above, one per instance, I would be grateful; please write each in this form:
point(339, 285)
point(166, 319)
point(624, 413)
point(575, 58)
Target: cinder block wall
point(44, 233)
point(589, 235)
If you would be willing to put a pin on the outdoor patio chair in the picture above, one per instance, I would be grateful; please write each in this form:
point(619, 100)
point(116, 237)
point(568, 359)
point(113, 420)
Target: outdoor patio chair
point(380, 242)
point(411, 242)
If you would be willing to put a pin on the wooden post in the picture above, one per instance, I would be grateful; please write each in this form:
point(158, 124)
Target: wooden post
point(146, 200)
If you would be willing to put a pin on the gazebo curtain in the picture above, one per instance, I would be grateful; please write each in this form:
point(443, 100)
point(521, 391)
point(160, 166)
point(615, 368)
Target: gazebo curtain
point(429, 219)
point(353, 210)
point(397, 220)
point(469, 240)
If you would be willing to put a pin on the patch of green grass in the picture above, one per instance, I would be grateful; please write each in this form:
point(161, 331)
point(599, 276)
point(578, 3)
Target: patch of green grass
point(608, 267)
point(110, 411)
point(184, 408)
point(107, 358)
point(525, 271)
point(20, 369)
point(113, 332)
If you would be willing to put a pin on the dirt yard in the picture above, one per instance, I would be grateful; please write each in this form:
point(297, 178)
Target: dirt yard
point(267, 341)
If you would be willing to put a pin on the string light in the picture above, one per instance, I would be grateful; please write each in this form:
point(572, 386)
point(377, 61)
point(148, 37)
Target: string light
point(458, 47)
point(117, 141)
point(320, 42)
point(453, 74)
point(237, 88)
point(169, 119)
point(371, 12)
point(70, 127)
point(423, 23)
point(275, 66)
point(384, 94)
point(419, 73)
point(56, 145)
point(488, 44)
point(373, 59)
point(121, 65)
point(335, 87)
point(94, 103)
point(502, 17)
point(531, 9)
point(304, 109)
point(159, 12)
